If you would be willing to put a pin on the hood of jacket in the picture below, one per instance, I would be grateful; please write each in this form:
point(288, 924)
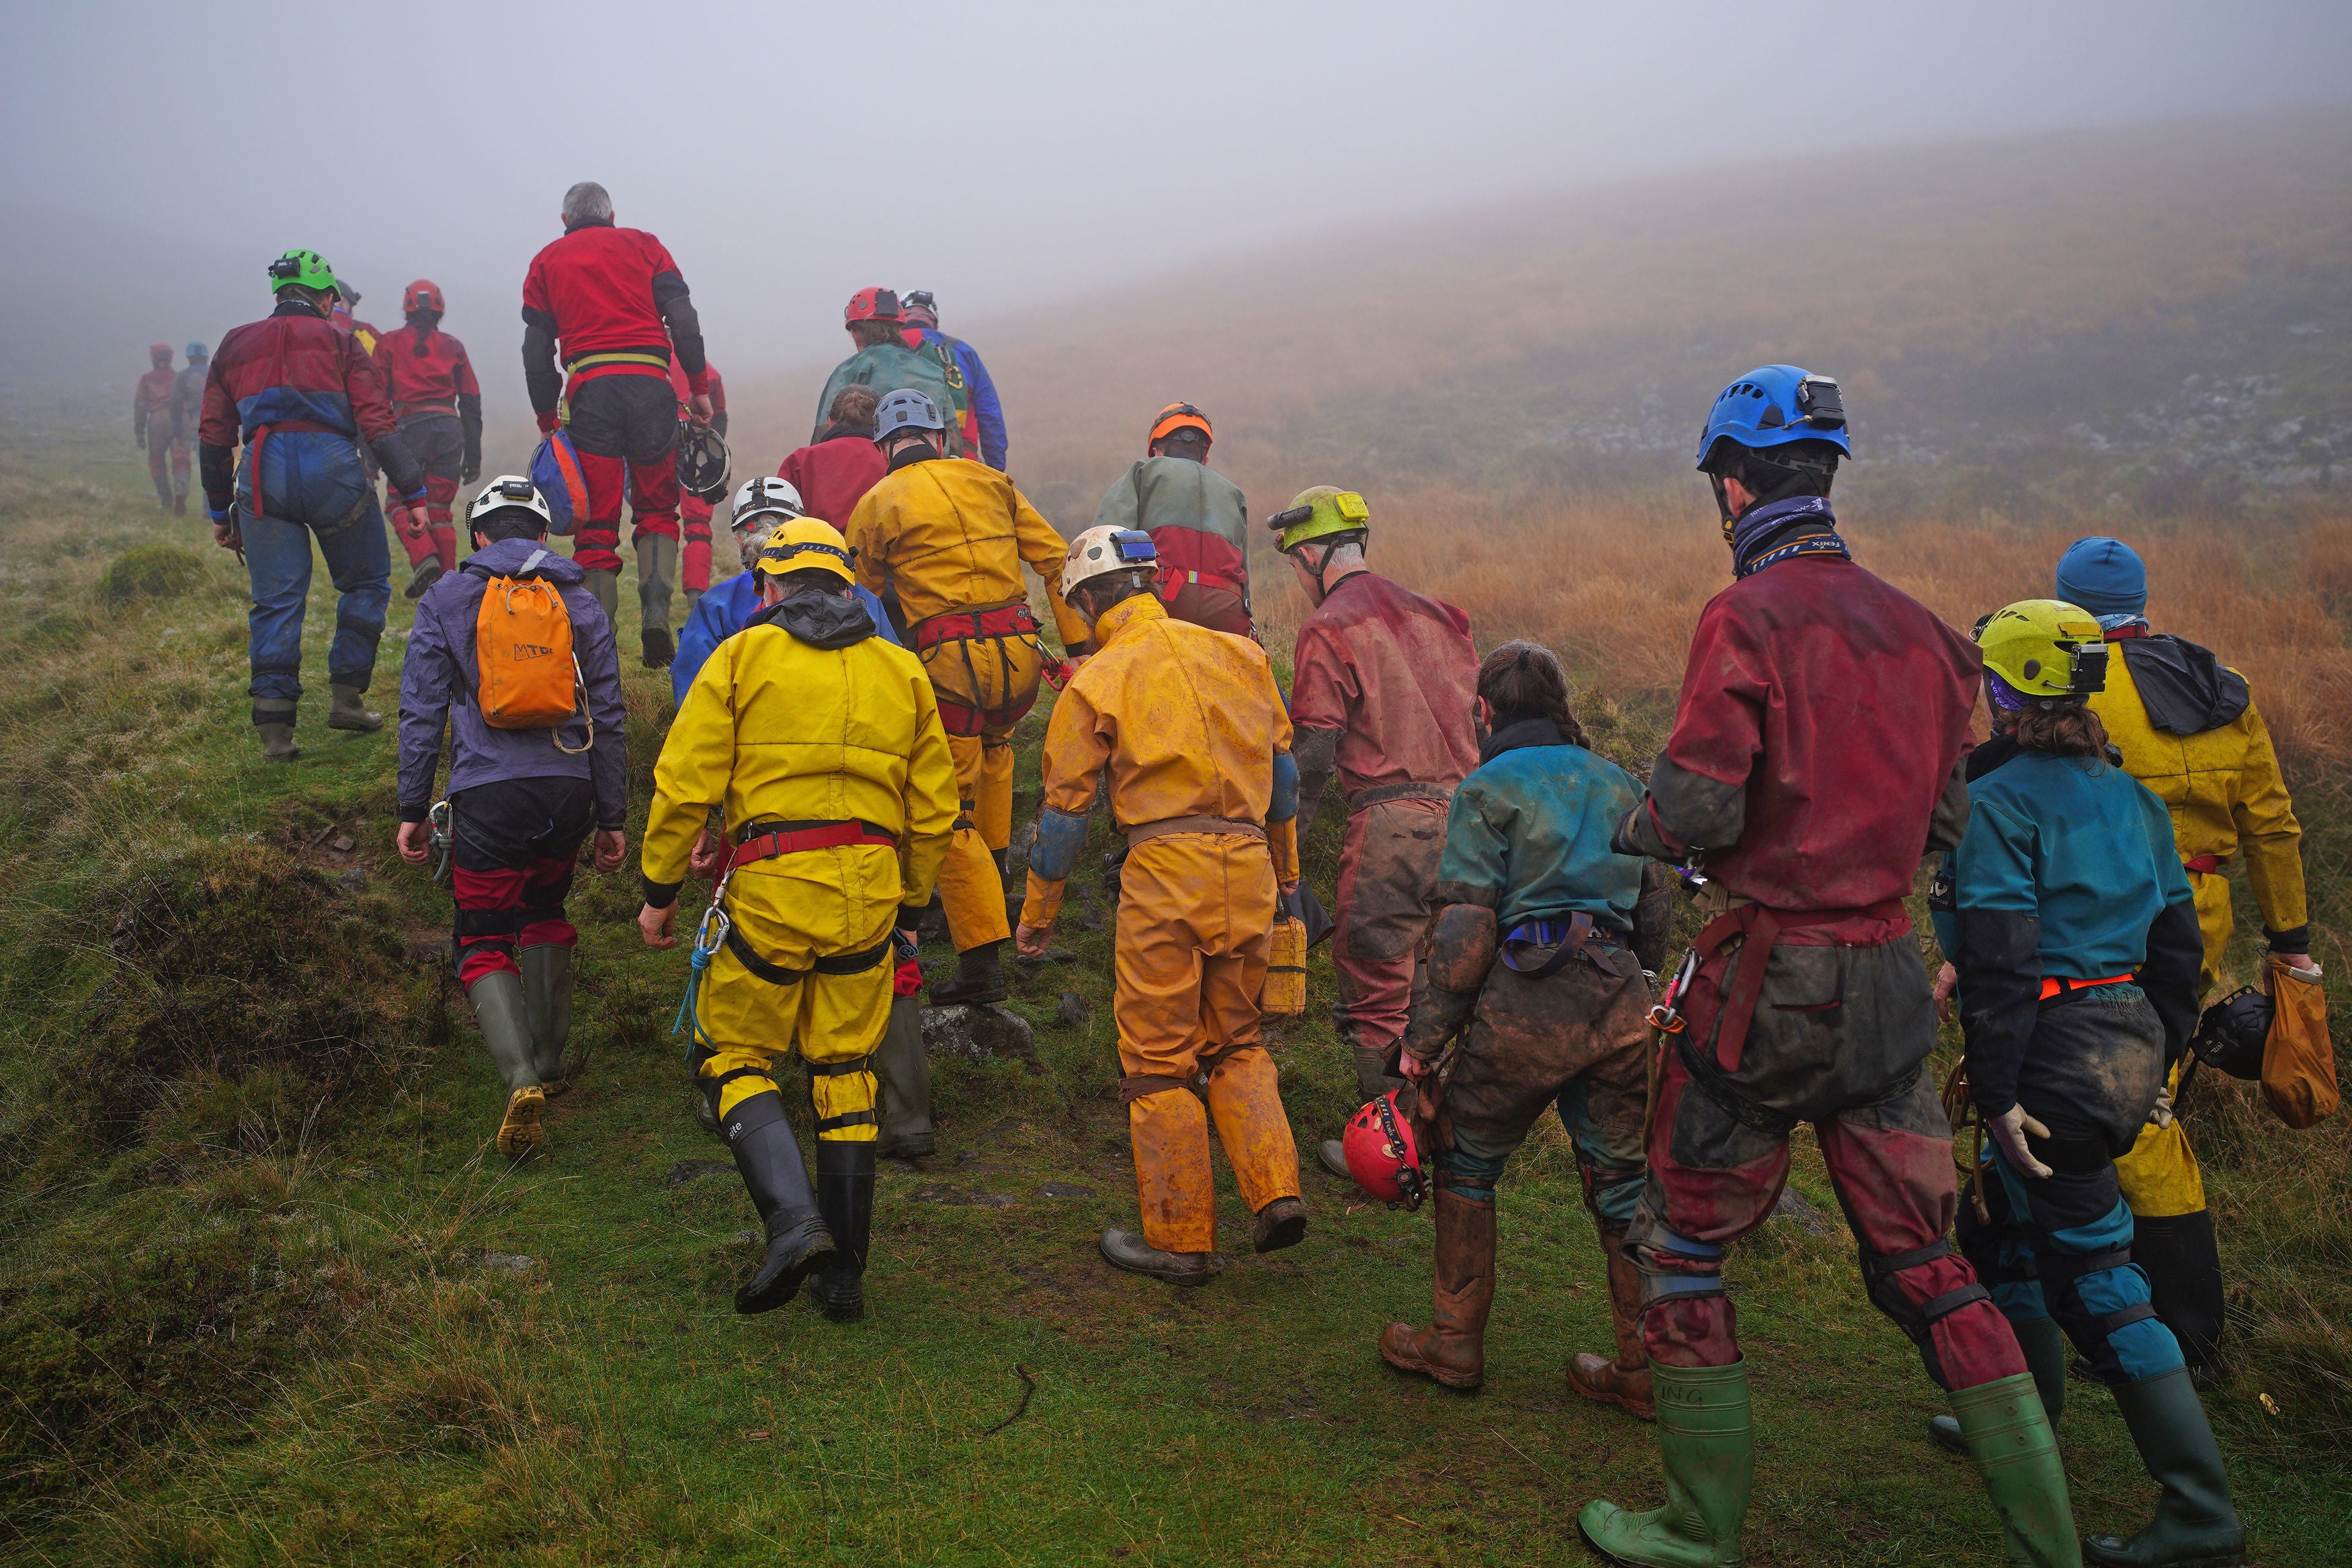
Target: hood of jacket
point(504, 558)
point(820, 620)
point(2185, 690)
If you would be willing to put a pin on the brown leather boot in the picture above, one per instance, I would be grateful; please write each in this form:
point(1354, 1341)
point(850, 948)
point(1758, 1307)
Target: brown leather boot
point(1626, 1380)
point(1453, 1349)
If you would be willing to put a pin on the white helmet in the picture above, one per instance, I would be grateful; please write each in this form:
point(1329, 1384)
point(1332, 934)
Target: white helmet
point(766, 495)
point(1105, 550)
point(509, 490)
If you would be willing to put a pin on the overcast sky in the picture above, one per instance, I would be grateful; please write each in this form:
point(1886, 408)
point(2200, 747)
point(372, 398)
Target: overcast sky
point(1008, 154)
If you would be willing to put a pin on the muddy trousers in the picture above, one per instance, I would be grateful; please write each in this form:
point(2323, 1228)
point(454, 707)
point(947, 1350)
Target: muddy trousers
point(438, 442)
point(970, 886)
point(1194, 918)
point(1388, 865)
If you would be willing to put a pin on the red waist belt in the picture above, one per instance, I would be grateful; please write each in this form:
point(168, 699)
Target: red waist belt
point(2204, 865)
point(1760, 928)
point(975, 625)
point(793, 838)
point(2059, 986)
point(1173, 579)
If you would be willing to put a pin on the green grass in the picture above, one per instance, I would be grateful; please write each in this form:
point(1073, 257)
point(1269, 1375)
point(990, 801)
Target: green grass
point(259, 1301)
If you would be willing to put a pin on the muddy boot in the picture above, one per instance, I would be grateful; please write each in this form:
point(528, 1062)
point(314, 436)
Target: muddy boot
point(179, 503)
point(1624, 1381)
point(902, 1073)
point(1707, 1446)
point(2195, 1523)
point(273, 721)
point(547, 987)
point(1453, 1349)
point(844, 1196)
point(658, 649)
point(979, 977)
point(769, 1158)
point(604, 587)
point(1280, 1224)
point(2005, 1429)
point(2044, 1344)
point(1126, 1249)
point(1332, 1155)
point(504, 1015)
point(346, 712)
point(427, 573)
point(656, 569)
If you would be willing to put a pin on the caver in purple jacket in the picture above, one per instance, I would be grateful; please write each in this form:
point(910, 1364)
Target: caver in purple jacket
point(440, 683)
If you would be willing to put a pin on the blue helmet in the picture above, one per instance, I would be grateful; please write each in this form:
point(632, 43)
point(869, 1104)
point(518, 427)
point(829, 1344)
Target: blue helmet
point(1773, 406)
point(198, 350)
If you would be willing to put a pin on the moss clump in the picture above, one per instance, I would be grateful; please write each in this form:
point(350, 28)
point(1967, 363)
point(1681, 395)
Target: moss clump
point(151, 571)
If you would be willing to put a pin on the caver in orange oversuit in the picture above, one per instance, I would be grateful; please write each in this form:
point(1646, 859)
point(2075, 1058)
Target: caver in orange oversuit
point(1192, 731)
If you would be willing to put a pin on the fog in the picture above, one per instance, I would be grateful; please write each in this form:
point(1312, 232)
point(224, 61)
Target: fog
point(1006, 156)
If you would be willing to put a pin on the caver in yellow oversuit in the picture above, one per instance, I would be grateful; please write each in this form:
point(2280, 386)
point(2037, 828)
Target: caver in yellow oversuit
point(949, 536)
point(2189, 730)
point(822, 744)
point(1192, 731)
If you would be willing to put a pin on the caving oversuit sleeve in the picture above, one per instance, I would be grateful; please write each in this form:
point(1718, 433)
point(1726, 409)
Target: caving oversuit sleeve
point(692, 774)
point(1698, 786)
point(1077, 746)
point(1044, 550)
point(1998, 924)
point(2271, 841)
point(930, 798)
point(427, 675)
point(1282, 806)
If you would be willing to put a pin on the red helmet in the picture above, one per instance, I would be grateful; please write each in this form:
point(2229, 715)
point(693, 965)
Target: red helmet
point(423, 294)
point(1383, 1155)
point(872, 304)
point(160, 352)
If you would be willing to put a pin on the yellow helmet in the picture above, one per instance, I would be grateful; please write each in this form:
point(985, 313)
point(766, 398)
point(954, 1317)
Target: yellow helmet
point(805, 542)
point(2046, 650)
point(1321, 513)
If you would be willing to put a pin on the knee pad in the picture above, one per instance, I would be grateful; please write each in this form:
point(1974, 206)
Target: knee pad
point(1695, 1272)
point(841, 1094)
point(1878, 1274)
point(1470, 1176)
point(1612, 1192)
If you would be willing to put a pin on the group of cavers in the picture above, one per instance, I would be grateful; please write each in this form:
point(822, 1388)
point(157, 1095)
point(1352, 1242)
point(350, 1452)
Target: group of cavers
point(841, 754)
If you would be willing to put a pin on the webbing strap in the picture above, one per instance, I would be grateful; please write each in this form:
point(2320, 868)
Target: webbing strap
point(2138, 1314)
point(1896, 1262)
point(777, 975)
point(852, 1119)
point(797, 841)
point(1937, 1309)
point(573, 367)
point(1143, 1085)
point(855, 1064)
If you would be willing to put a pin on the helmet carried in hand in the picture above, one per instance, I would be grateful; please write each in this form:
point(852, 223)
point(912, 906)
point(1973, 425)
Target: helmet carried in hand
point(1383, 1155)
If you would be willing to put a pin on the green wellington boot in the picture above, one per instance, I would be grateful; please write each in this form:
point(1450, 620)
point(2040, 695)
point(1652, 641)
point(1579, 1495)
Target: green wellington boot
point(902, 1073)
point(1708, 1446)
point(2008, 1434)
point(2044, 1344)
point(347, 711)
point(505, 1019)
point(273, 721)
point(2195, 1525)
point(547, 991)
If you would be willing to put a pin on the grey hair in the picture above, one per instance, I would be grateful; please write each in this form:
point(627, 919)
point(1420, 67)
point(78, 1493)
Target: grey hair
point(587, 202)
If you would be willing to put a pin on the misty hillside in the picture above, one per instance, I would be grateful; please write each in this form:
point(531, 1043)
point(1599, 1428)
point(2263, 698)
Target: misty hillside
point(2163, 314)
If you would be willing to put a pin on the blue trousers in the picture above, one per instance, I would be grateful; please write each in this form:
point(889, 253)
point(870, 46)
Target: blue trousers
point(278, 559)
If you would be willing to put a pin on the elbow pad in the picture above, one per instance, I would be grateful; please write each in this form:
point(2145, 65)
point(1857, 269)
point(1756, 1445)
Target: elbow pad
point(1284, 806)
point(1060, 837)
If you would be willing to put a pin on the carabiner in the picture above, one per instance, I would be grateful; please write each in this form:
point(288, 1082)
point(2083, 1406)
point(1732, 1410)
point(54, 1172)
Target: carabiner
point(1665, 1017)
point(443, 837)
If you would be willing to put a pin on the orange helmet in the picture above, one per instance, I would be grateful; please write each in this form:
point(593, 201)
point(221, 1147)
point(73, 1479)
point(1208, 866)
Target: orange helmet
point(1179, 417)
point(1383, 1155)
point(423, 294)
point(876, 304)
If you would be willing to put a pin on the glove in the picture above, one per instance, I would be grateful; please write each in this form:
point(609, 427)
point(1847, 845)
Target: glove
point(2009, 1129)
point(469, 473)
point(547, 423)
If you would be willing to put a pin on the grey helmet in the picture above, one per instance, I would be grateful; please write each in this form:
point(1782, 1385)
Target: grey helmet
point(904, 410)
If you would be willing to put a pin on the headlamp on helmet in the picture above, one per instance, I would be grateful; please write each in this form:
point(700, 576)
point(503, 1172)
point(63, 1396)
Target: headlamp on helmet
point(1101, 551)
point(1325, 512)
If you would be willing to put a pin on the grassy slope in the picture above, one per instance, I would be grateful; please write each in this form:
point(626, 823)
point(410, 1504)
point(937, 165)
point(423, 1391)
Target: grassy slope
point(602, 1405)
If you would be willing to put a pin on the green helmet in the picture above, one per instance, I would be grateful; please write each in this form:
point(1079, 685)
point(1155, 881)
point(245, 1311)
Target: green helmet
point(1321, 513)
point(305, 268)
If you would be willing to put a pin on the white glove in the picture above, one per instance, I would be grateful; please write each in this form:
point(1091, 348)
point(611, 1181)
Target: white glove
point(2009, 1129)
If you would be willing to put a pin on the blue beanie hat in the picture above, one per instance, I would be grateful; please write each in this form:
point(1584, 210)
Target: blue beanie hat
point(2104, 577)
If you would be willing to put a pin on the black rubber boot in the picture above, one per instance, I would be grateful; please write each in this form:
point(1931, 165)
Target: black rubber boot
point(1332, 1155)
point(427, 573)
point(979, 977)
point(659, 649)
point(2183, 1264)
point(2195, 1524)
point(1126, 1249)
point(769, 1158)
point(2044, 1344)
point(844, 1195)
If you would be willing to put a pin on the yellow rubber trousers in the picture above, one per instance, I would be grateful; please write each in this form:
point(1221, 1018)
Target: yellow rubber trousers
point(1194, 917)
point(970, 884)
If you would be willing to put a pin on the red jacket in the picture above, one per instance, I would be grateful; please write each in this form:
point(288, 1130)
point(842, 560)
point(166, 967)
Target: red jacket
point(602, 290)
point(151, 399)
point(296, 371)
point(1820, 715)
point(1395, 673)
point(833, 474)
point(429, 383)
